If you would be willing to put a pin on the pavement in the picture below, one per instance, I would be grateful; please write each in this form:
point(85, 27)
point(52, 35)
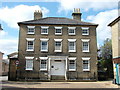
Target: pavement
point(99, 85)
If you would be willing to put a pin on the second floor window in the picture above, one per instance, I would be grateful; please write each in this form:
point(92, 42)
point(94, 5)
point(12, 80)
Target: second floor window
point(71, 30)
point(44, 30)
point(85, 30)
point(31, 30)
point(58, 30)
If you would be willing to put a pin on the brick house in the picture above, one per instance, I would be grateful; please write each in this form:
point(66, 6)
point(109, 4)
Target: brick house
point(57, 48)
point(115, 28)
point(4, 63)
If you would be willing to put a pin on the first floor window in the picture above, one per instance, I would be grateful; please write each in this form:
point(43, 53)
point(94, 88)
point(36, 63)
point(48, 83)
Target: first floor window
point(43, 65)
point(29, 64)
point(58, 30)
point(30, 45)
point(72, 65)
point(72, 47)
point(85, 47)
point(44, 46)
point(86, 65)
point(58, 46)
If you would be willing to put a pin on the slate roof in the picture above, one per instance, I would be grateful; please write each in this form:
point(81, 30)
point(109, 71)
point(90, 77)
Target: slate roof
point(56, 21)
point(114, 21)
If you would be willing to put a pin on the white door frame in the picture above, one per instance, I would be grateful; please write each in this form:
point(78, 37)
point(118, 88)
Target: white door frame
point(56, 58)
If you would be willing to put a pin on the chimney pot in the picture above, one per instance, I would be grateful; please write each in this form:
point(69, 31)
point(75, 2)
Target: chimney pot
point(37, 14)
point(76, 14)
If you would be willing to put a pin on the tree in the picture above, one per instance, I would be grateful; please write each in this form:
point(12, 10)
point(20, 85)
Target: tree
point(105, 58)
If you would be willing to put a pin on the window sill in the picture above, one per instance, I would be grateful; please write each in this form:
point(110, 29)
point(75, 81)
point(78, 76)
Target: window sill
point(44, 33)
point(44, 50)
point(72, 51)
point(58, 33)
point(43, 69)
point(29, 50)
point(85, 34)
point(86, 70)
point(72, 69)
point(30, 33)
point(85, 51)
point(57, 51)
point(71, 34)
point(29, 69)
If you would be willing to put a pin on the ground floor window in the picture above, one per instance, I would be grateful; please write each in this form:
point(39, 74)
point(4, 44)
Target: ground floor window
point(29, 64)
point(86, 66)
point(43, 64)
point(72, 64)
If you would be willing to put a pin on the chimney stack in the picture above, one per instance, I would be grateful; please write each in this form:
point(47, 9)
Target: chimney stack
point(76, 14)
point(37, 14)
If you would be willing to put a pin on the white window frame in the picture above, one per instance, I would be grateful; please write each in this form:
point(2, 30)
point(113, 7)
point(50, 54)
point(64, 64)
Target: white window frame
point(73, 28)
point(58, 40)
point(72, 59)
point(85, 28)
point(44, 40)
point(29, 59)
point(44, 58)
point(86, 59)
point(60, 29)
point(44, 27)
point(72, 40)
point(30, 27)
point(30, 39)
point(86, 40)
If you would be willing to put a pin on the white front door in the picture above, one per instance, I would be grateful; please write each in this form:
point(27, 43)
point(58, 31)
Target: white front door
point(58, 67)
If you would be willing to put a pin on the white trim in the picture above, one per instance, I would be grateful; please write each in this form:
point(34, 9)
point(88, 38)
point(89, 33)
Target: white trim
point(85, 58)
point(43, 58)
point(31, 26)
point(30, 39)
point(71, 27)
point(58, 40)
point(71, 40)
point(45, 27)
point(85, 27)
point(85, 40)
point(72, 58)
point(44, 39)
point(58, 27)
point(29, 57)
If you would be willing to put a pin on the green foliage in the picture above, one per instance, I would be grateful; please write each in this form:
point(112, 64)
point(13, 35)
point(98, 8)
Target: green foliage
point(105, 58)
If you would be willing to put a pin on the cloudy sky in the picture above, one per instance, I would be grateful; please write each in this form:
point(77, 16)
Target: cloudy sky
point(101, 12)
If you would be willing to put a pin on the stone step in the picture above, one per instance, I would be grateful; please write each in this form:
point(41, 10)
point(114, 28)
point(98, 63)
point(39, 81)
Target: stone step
point(56, 77)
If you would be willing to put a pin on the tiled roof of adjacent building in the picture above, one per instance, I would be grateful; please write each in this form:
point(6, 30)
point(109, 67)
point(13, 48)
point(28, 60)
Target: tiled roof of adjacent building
point(56, 21)
point(114, 21)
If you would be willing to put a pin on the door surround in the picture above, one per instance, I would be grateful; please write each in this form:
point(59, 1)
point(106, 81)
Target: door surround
point(50, 58)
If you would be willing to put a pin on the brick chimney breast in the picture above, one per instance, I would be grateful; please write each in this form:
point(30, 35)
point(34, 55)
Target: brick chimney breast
point(37, 14)
point(76, 14)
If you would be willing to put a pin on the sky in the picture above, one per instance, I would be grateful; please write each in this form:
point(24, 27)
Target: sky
point(100, 12)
